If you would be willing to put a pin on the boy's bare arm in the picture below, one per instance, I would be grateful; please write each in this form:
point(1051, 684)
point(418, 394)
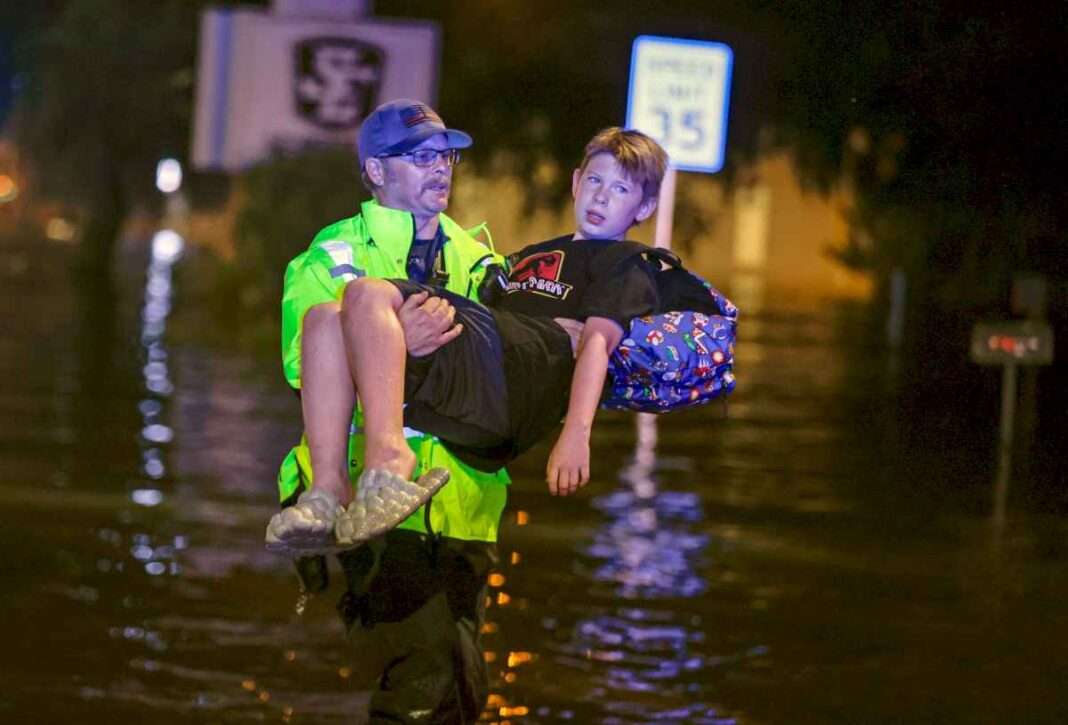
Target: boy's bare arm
point(569, 464)
point(574, 331)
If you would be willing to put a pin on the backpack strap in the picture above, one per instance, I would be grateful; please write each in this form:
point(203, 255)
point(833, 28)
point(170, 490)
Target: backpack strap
point(664, 255)
point(618, 252)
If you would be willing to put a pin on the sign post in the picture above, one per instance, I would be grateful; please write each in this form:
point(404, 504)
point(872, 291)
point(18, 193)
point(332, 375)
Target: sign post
point(1010, 343)
point(665, 210)
point(679, 94)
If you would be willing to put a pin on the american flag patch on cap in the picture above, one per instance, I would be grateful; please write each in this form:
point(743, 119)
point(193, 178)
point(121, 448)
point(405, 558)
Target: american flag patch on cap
point(413, 115)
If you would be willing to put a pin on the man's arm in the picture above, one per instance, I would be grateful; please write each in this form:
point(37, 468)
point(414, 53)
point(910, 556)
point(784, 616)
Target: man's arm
point(569, 463)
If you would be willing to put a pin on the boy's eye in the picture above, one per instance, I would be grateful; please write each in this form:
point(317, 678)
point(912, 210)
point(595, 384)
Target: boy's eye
point(621, 189)
point(592, 178)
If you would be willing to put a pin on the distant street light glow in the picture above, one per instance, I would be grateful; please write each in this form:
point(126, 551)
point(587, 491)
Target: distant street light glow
point(169, 176)
point(9, 190)
point(167, 246)
point(59, 229)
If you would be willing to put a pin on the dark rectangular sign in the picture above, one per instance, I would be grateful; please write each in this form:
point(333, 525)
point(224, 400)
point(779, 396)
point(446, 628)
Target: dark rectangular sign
point(1020, 342)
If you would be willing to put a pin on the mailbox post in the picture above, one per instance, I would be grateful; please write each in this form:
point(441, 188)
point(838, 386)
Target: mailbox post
point(1010, 343)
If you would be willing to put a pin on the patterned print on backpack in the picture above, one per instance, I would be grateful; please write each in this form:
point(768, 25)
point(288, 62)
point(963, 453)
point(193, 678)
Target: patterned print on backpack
point(675, 359)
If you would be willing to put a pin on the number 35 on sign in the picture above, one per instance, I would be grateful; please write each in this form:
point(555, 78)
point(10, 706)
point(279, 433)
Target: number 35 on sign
point(679, 94)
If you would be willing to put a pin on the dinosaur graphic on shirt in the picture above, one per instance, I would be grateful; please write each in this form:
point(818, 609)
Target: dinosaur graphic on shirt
point(540, 274)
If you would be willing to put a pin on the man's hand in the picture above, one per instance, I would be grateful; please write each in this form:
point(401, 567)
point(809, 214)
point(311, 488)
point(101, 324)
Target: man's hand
point(427, 323)
point(569, 463)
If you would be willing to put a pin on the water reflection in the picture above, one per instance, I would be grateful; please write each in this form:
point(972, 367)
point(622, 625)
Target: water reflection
point(167, 246)
point(135, 536)
point(506, 664)
point(648, 551)
point(649, 548)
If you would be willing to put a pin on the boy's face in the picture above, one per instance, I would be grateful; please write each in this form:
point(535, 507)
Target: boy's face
point(608, 202)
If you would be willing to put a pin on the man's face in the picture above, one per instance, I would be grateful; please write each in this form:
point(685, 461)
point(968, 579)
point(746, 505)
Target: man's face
point(422, 191)
point(608, 202)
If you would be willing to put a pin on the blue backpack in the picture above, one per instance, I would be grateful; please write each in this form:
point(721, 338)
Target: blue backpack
point(683, 354)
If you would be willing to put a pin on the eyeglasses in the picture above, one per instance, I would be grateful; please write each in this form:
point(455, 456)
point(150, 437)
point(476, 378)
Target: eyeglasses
point(424, 158)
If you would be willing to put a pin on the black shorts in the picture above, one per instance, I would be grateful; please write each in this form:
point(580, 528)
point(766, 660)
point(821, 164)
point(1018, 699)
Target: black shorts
point(493, 391)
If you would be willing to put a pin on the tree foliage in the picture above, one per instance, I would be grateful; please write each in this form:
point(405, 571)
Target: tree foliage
point(533, 82)
point(284, 202)
point(945, 118)
point(108, 92)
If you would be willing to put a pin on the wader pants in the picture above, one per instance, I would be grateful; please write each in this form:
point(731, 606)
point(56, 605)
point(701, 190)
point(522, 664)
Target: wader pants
point(413, 612)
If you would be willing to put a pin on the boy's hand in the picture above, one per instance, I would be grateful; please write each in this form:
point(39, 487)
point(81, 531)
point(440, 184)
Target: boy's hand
point(427, 323)
point(569, 464)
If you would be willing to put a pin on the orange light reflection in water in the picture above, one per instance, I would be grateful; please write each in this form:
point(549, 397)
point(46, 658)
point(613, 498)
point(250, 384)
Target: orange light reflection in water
point(518, 658)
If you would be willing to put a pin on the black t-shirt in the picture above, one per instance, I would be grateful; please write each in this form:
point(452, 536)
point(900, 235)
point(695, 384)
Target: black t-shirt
point(562, 278)
point(558, 278)
point(422, 257)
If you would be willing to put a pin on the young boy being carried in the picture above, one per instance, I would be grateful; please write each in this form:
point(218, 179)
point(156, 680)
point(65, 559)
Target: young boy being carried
point(505, 377)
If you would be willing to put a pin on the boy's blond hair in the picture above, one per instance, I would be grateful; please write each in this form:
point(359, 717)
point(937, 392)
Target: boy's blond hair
point(642, 158)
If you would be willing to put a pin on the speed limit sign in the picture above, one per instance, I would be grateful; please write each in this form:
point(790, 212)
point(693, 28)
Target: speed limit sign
point(679, 94)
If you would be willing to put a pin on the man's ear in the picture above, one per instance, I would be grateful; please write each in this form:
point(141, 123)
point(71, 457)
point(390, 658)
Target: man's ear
point(575, 183)
point(375, 171)
point(645, 210)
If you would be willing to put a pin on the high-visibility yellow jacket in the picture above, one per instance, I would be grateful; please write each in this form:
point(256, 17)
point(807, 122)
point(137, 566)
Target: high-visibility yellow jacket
point(375, 243)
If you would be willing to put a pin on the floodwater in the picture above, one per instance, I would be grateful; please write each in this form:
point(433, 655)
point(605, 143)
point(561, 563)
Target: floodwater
point(805, 560)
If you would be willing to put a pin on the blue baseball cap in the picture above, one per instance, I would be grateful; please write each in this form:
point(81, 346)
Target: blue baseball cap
point(400, 126)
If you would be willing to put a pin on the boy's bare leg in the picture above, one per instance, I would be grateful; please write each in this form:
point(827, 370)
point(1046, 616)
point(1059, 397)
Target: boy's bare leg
point(358, 342)
point(328, 398)
point(374, 344)
point(357, 345)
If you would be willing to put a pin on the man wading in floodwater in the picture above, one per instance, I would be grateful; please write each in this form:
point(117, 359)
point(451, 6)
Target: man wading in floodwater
point(414, 604)
point(505, 377)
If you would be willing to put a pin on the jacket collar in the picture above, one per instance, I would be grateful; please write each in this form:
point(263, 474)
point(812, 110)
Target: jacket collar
point(392, 229)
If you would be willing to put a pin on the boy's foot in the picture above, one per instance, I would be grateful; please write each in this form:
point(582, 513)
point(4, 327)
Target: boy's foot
point(394, 457)
point(383, 501)
point(307, 527)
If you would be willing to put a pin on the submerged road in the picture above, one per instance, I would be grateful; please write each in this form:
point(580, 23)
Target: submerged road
point(805, 560)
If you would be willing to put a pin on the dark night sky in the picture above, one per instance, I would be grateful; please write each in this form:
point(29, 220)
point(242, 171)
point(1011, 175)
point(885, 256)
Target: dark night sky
point(16, 21)
point(6, 78)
